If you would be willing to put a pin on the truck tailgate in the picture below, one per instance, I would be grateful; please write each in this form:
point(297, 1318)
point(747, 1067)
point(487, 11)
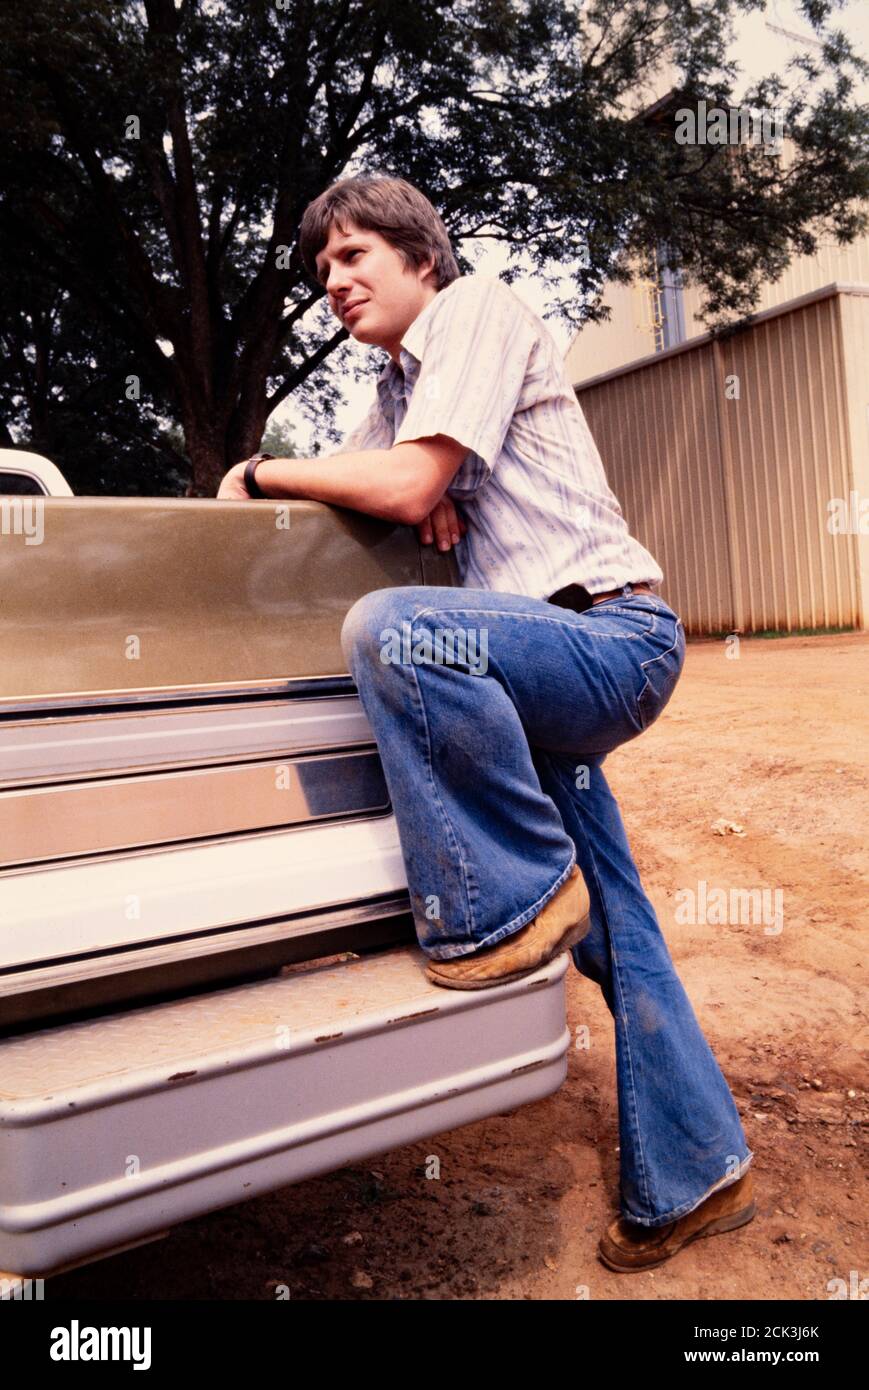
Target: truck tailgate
point(116, 1128)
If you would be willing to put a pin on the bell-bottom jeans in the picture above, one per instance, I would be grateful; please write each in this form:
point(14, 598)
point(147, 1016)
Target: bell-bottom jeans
point(493, 714)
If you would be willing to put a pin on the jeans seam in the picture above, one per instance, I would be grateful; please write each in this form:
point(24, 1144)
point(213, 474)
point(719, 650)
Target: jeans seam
point(619, 1000)
point(540, 617)
point(447, 822)
point(623, 608)
point(635, 1116)
point(651, 661)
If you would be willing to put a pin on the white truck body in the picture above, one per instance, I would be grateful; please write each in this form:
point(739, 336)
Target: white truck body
point(210, 984)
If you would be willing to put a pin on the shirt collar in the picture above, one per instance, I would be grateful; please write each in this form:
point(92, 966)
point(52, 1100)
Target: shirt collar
point(391, 383)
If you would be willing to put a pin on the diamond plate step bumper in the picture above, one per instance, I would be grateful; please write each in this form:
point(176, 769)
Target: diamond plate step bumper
point(119, 1127)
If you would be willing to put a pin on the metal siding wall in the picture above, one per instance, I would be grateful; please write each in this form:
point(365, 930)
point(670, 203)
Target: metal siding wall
point(788, 455)
point(731, 495)
point(854, 316)
point(657, 435)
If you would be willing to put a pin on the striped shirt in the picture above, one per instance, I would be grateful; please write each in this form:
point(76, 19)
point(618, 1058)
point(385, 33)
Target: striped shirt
point(480, 366)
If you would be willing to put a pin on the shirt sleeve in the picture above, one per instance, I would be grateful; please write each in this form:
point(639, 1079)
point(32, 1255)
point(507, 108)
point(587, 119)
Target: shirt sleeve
point(373, 432)
point(472, 368)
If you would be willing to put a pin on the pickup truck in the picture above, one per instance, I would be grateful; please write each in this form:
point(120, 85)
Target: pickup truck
point(210, 983)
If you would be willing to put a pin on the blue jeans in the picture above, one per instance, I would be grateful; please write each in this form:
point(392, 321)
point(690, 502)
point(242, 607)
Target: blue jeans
point(493, 714)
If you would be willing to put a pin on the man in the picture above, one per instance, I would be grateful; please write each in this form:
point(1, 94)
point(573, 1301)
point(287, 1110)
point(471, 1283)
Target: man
point(513, 844)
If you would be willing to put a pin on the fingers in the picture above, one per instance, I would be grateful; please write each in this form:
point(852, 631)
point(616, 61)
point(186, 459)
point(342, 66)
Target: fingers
point(232, 483)
point(440, 521)
point(443, 526)
point(457, 527)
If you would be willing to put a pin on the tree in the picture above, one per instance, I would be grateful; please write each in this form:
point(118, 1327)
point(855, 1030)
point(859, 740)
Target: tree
point(157, 156)
point(73, 392)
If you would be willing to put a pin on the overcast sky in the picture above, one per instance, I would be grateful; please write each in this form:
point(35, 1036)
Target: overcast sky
point(759, 50)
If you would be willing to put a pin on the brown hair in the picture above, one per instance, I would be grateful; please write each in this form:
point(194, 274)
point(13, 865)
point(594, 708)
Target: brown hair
point(393, 207)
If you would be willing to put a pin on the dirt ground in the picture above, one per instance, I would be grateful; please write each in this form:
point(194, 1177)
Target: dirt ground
point(777, 741)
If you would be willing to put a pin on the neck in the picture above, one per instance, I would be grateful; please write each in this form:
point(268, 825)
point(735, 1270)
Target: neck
point(394, 349)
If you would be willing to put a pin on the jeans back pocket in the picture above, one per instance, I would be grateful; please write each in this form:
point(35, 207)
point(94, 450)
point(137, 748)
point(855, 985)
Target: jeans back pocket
point(661, 673)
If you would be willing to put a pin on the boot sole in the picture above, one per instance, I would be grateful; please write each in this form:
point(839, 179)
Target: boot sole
point(571, 937)
point(717, 1227)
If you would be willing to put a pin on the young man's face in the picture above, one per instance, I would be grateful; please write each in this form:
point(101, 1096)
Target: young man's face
point(359, 267)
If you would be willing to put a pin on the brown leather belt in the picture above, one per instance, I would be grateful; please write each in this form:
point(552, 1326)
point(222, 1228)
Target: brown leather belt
point(578, 598)
point(616, 593)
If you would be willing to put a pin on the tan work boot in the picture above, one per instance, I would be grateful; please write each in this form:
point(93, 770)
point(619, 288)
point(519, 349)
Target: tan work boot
point(558, 926)
point(627, 1246)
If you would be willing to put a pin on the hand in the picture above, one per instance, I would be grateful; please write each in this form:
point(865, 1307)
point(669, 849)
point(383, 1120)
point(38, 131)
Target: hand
point(443, 524)
point(232, 483)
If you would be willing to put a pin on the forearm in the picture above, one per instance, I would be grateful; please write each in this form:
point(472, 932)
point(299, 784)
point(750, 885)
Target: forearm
point(375, 481)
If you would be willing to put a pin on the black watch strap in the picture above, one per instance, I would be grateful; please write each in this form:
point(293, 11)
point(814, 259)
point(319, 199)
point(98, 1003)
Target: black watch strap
point(250, 482)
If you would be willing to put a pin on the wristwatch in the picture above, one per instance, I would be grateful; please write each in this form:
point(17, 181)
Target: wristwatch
point(250, 482)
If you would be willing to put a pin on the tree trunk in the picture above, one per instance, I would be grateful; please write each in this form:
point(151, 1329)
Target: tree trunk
point(214, 446)
point(206, 448)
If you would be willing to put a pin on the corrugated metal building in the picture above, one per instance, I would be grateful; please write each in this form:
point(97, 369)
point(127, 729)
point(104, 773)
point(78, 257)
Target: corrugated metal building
point(742, 462)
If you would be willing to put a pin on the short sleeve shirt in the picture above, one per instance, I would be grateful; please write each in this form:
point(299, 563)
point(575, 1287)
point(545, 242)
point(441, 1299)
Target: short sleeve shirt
point(481, 367)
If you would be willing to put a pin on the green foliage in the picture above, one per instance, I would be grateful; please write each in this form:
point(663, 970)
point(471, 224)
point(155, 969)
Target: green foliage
point(278, 440)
